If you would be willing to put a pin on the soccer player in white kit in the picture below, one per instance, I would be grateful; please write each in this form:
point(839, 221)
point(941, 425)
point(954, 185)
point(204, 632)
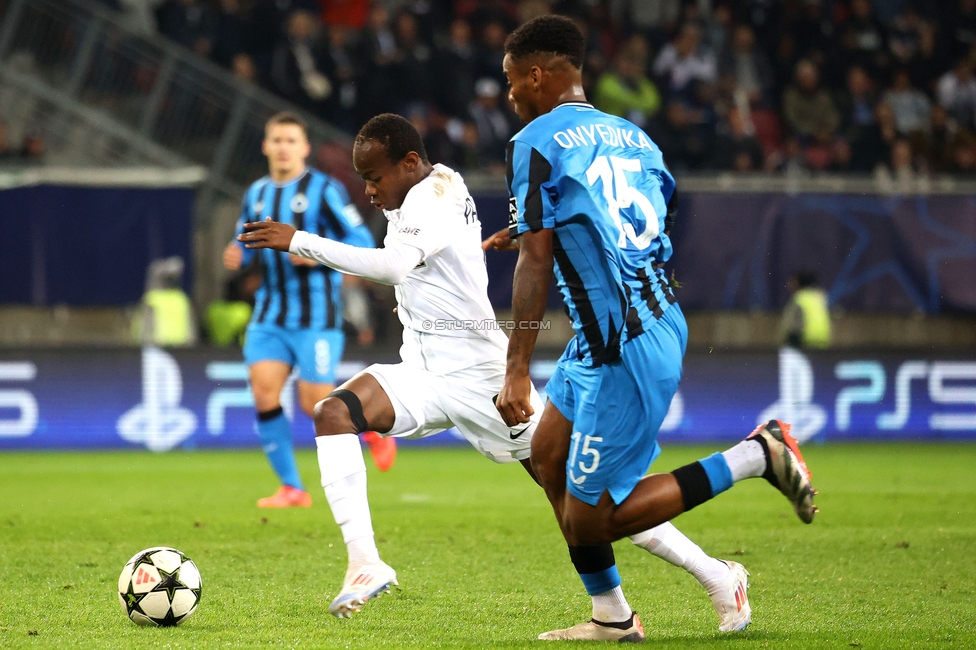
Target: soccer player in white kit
point(452, 358)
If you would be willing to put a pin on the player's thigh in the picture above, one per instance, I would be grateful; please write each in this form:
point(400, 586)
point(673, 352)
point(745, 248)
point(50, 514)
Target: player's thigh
point(468, 399)
point(267, 378)
point(550, 448)
point(614, 434)
point(318, 353)
point(413, 396)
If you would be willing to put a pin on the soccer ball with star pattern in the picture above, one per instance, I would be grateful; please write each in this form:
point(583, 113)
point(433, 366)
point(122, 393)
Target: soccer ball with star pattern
point(160, 586)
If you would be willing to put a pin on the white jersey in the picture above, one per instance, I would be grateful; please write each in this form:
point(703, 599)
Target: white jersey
point(443, 302)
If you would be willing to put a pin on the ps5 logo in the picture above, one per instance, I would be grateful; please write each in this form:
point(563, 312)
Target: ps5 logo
point(159, 422)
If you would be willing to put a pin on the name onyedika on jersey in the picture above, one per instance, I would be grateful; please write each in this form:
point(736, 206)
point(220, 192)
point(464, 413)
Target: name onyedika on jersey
point(613, 136)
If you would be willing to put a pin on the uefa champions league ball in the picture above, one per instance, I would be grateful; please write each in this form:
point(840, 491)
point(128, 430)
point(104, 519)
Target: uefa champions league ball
point(159, 586)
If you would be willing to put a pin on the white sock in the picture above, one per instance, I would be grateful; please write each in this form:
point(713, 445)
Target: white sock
point(746, 460)
point(344, 479)
point(671, 545)
point(611, 606)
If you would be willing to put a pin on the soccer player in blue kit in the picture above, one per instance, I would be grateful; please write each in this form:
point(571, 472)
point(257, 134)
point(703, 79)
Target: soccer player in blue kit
point(297, 316)
point(589, 193)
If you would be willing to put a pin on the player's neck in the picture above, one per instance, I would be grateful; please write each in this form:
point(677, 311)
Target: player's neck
point(282, 177)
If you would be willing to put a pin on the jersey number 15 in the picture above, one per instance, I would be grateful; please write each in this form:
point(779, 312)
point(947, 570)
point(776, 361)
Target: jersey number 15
point(610, 170)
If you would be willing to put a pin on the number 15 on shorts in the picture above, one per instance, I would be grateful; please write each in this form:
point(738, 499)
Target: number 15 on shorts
point(576, 462)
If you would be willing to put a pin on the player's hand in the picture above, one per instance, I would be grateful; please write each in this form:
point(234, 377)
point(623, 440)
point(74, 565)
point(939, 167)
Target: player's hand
point(301, 261)
point(267, 234)
point(233, 257)
point(500, 241)
point(513, 401)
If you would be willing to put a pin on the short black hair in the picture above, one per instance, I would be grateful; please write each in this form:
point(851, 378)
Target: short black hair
point(397, 135)
point(805, 279)
point(554, 35)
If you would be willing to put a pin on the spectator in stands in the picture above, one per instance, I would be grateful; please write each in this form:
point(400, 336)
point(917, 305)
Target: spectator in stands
point(814, 31)
point(378, 55)
point(806, 318)
point(959, 27)
point(626, 91)
point(684, 61)
point(810, 112)
point(191, 23)
point(297, 70)
point(943, 136)
point(689, 136)
point(957, 93)
point(339, 64)
point(736, 148)
point(869, 36)
point(242, 67)
point(455, 64)
point(494, 124)
point(267, 24)
point(749, 66)
point(230, 33)
point(491, 51)
point(901, 171)
point(654, 20)
point(910, 105)
point(413, 70)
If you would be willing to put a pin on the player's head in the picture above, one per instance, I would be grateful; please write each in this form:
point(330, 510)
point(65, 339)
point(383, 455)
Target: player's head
point(285, 144)
point(389, 155)
point(543, 63)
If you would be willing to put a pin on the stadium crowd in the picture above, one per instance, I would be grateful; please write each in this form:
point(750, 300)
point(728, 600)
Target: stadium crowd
point(746, 85)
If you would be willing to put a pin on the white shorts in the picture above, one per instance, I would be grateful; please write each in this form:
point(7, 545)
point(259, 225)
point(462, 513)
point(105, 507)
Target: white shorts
point(426, 404)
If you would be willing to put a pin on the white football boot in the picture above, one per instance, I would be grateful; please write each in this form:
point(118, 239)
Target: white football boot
point(731, 600)
point(363, 582)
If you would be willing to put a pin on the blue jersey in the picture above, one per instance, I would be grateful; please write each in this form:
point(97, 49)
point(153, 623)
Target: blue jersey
point(302, 297)
point(602, 187)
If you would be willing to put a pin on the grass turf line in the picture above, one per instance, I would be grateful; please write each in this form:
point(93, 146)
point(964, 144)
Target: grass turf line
point(888, 562)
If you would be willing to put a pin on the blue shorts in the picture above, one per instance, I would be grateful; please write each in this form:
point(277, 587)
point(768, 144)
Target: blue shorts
point(617, 409)
point(315, 352)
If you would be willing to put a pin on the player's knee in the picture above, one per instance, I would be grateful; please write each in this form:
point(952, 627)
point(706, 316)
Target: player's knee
point(331, 417)
point(340, 412)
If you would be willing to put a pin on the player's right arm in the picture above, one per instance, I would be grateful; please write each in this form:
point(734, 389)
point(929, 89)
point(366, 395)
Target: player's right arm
point(235, 254)
point(531, 218)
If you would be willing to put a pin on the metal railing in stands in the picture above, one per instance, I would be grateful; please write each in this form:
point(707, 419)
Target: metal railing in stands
point(159, 102)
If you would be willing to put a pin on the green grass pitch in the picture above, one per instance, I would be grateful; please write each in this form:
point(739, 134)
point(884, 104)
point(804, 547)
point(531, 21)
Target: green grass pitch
point(888, 563)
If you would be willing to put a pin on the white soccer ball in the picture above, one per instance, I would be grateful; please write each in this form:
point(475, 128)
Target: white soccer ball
point(159, 586)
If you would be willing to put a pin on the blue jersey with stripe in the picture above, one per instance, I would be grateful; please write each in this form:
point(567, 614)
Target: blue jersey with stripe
point(302, 297)
point(602, 187)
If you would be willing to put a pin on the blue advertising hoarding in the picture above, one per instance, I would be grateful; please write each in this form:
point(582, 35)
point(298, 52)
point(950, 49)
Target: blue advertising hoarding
point(164, 399)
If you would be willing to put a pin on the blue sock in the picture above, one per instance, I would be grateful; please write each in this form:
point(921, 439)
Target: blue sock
point(275, 432)
point(718, 472)
point(702, 480)
point(596, 566)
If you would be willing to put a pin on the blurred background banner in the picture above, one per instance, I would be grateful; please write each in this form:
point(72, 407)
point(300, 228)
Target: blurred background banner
point(163, 399)
point(875, 252)
point(735, 250)
point(80, 246)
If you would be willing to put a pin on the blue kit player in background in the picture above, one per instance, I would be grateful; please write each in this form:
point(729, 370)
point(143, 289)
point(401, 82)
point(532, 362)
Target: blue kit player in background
point(589, 199)
point(297, 316)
